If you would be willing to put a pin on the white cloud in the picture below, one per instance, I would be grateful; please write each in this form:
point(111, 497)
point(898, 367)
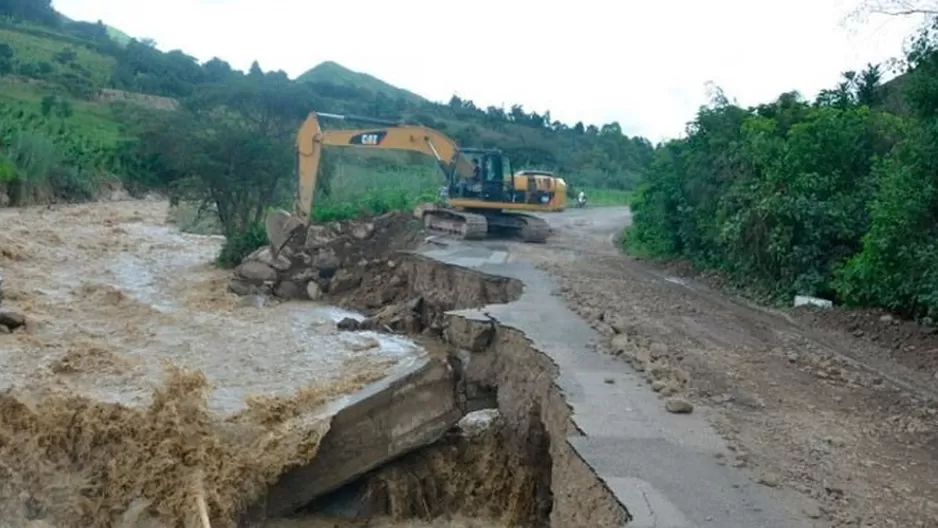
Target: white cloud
point(642, 64)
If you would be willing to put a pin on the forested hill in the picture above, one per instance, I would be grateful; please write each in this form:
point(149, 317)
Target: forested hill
point(44, 55)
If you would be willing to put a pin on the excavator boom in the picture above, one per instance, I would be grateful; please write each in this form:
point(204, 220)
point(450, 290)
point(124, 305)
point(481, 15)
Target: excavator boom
point(311, 139)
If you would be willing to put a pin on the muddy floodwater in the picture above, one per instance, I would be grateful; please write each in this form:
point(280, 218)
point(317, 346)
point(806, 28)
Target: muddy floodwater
point(113, 293)
point(317, 522)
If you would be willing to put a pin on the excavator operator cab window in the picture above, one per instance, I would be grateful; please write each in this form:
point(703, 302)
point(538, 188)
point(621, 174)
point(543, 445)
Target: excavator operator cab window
point(490, 173)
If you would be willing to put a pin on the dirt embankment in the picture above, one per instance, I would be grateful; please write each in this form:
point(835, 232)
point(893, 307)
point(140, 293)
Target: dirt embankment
point(366, 265)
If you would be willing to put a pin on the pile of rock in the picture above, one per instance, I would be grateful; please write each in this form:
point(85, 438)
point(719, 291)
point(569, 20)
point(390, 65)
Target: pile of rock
point(306, 262)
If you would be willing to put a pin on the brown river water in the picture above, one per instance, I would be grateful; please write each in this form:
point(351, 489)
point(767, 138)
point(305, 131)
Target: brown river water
point(113, 293)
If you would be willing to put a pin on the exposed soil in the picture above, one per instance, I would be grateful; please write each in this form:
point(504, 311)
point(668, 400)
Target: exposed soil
point(908, 343)
point(470, 478)
point(837, 405)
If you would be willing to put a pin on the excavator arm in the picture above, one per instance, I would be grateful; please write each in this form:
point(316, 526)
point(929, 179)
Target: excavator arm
point(389, 135)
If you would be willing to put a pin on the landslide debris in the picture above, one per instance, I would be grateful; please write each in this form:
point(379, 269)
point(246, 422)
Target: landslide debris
point(325, 259)
point(366, 265)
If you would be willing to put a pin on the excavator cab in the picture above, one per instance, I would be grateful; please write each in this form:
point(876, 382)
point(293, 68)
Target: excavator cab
point(490, 183)
point(498, 185)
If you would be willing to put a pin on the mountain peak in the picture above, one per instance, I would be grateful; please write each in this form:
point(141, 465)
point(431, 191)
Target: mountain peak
point(334, 73)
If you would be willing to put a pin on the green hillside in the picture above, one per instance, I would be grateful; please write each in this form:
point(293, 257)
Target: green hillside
point(54, 69)
point(83, 106)
point(334, 73)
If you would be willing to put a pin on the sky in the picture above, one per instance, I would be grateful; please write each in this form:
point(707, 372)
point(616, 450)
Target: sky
point(643, 64)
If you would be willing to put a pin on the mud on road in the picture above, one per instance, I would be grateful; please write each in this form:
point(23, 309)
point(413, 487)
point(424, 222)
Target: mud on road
point(837, 406)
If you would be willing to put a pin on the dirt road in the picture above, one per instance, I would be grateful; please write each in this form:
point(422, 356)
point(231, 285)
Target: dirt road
point(837, 406)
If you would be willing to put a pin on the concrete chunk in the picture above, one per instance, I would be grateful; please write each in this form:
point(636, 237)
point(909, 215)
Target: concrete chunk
point(388, 419)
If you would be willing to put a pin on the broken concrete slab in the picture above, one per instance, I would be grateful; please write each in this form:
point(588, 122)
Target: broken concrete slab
point(411, 408)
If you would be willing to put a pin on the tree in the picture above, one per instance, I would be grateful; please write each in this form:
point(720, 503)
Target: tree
point(868, 90)
point(47, 105)
point(231, 147)
point(255, 70)
point(39, 11)
point(65, 56)
point(217, 70)
point(6, 59)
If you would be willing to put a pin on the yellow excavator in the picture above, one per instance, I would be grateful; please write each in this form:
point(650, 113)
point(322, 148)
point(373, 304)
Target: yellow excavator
point(480, 190)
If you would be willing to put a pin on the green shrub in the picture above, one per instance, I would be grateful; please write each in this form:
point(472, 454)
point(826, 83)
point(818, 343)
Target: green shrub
point(240, 245)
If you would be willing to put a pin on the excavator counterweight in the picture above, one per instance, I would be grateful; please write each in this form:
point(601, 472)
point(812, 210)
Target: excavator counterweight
point(481, 197)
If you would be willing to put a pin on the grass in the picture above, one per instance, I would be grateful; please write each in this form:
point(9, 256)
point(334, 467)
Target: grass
point(89, 118)
point(32, 48)
point(606, 197)
point(374, 190)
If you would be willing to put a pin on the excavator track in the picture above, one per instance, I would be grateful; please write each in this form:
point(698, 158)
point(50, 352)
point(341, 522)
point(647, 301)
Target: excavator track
point(534, 229)
point(483, 224)
point(467, 226)
point(528, 228)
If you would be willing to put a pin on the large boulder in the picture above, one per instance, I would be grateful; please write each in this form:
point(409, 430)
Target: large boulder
point(326, 262)
point(280, 262)
point(255, 271)
point(12, 320)
point(281, 227)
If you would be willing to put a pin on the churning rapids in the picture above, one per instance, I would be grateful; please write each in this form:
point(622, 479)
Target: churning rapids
point(114, 294)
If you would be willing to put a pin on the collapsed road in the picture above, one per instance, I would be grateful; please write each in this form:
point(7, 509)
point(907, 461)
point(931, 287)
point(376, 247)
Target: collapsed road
point(470, 388)
point(684, 407)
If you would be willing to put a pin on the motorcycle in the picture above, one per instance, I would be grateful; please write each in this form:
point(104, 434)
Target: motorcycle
point(581, 201)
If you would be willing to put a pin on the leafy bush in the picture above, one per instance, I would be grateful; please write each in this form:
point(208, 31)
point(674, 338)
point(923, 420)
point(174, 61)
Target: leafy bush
point(830, 198)
point(240, 244)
